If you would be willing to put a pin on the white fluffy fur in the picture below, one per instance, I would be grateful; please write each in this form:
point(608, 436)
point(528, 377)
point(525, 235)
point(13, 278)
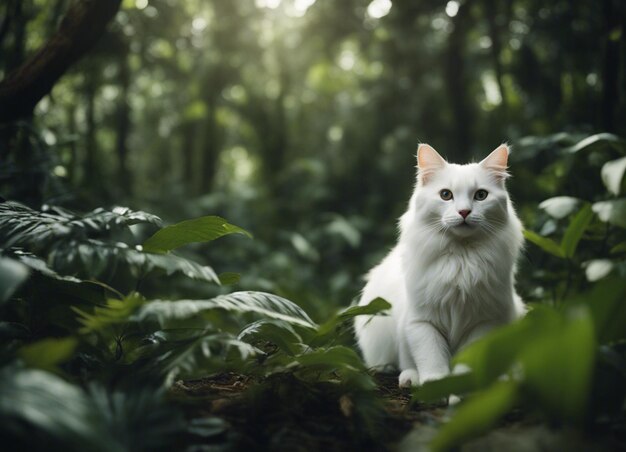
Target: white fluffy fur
point(448, 282)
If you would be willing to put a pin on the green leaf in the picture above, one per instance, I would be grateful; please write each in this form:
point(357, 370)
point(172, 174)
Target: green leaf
point(36, 402)
point(115, 312)
point(619, 248)
point(575, 230)
point(205, 354)
point(546, 244)
point(558, 367)
point(199, 230)
point(376, 306)
point(559, 206)
point(593, 141)
point(492, 355)
point(278, 332)
point(332, 358)
point(47, 354)
point(229, 278)
point(476, 415)
point(613, 174)
point(12, 275)
point(96, 259)
point(265, 304)
point(613, 211)
point(606, 302)
point(435, 390)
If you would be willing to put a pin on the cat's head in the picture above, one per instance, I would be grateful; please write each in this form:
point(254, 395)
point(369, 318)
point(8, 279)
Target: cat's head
point(462, 200)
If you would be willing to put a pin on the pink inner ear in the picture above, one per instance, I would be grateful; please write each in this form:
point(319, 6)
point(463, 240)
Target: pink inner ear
point(497, 159)
point(429, 159)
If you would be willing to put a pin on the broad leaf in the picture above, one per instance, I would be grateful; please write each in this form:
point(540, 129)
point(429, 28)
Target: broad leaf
point(35, 401)
point(278, 332)
point(558, 367)
point(613, 211)
point(613, 174)
point(47, 354)
point(199, 230)
point(332, 358)
point(546, 244)
point(593, 141)
point(205, 354)
point(264, 304)
point(12, 275)
point(376, 306)
point(433, 391)
point(559, 206)
point(34, 230)
point(476, 415)
point(97, 259)
point(575, 230)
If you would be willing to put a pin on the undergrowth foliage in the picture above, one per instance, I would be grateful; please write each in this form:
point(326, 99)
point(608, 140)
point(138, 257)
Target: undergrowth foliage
point(85, 361)
point(88, 357)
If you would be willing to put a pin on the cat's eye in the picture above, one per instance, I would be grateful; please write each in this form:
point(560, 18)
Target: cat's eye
point(480, 195)
point(445, 194)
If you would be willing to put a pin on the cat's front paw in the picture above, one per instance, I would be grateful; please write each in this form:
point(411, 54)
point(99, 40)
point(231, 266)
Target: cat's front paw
point(408, 378)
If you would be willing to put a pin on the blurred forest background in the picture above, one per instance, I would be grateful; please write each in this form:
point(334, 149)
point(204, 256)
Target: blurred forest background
point(299, 120)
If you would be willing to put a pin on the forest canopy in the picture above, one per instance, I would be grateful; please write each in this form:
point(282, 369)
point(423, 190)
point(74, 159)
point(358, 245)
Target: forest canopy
point(290, 127)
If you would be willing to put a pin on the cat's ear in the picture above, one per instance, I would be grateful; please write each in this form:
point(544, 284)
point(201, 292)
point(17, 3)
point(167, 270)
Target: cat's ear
point(428, 161)
point(496, 162)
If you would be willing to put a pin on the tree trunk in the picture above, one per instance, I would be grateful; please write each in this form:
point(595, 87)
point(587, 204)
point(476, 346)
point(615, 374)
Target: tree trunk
point(84, 22)
point(610, 73)
point(90, 163)
point(457, 84)
point(491, 12)
point(123, 125)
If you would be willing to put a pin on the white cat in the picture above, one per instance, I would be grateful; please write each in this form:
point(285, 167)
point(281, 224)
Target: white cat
point(450, 278)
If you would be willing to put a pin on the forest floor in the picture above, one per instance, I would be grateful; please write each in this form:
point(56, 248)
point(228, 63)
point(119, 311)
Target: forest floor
point(282, 413)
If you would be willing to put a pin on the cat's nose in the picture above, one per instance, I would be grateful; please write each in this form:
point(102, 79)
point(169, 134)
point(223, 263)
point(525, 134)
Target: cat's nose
point(464, 213)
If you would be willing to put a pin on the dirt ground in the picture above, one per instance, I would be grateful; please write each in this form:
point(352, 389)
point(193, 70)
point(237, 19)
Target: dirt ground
point(236, 412)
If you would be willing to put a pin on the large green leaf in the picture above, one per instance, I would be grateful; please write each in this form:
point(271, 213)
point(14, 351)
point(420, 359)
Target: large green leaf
point(558, 367)
point(12, 275)
point(331, 358)
point(278, 332)
point(376, 306)
point(476, 415)
point(436, 390)
point(199, 230)
point(606, 302)
point(595, 141)
point(96, 259)
point(33, 402)
point(492, 355)
point(204, 354)
point(34, 230)
point(264, 304)
point(575, 230)
point(546, 244)
point(47, 354)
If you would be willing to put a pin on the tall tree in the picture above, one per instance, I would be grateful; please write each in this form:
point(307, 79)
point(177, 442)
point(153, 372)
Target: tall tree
point(82, 25)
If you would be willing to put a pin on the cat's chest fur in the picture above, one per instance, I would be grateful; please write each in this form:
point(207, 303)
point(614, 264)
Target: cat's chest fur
point(457, 287)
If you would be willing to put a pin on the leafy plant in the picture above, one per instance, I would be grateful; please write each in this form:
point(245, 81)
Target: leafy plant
point(86, 333)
